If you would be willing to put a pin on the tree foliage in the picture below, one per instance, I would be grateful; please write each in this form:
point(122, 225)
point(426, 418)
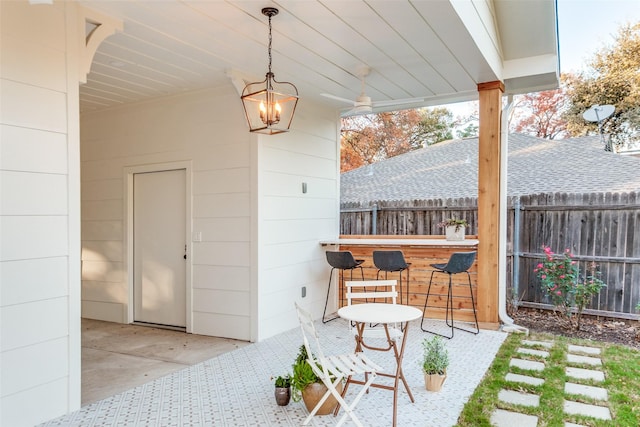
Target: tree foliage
point(612, 78)
point(373, 137)
point(470, 130)
point(435, 126)
point(370, 138)
point(541, 114)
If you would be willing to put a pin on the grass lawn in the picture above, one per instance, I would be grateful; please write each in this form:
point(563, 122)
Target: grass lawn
point(620, 364)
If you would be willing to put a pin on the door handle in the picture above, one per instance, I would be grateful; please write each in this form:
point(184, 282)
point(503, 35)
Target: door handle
point(185, 251)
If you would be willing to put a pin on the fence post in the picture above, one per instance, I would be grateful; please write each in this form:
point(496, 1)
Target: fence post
point(515, 280)
point(374, 219)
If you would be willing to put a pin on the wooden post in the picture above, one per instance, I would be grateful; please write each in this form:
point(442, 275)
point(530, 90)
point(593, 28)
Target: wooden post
point(489, 172)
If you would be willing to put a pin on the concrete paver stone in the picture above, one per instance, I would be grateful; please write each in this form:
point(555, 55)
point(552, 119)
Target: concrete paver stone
point(502, 418)
point(584, 349)
point(533, 352)
point(518, 398)
point(593, 361)
point(529, 365)
point(584, 374)
point(532, 343)
point(598, 393)
point(525, 379)
point(577, 408)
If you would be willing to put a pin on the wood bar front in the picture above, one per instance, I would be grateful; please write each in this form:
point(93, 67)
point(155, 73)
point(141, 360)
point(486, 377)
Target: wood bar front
point(420, 252)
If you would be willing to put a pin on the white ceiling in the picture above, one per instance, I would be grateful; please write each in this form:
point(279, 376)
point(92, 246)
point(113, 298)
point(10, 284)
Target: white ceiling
point(438, 50)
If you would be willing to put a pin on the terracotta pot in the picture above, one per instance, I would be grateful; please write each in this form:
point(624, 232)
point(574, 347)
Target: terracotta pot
point(312, 394)
point(283, 395)
point(434, 382)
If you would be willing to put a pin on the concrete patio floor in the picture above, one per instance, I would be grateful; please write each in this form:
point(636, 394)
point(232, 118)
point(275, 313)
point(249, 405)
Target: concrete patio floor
point(234, 388)
point(117, 357)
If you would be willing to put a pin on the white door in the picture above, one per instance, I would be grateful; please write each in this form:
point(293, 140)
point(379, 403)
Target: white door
point(159, 243)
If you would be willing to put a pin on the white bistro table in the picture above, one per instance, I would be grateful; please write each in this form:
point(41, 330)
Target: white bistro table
point(385, 314)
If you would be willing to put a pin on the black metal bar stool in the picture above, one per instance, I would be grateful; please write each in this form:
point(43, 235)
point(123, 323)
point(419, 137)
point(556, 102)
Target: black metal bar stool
point(341, 260)
point(459, 262)
point(392, 261)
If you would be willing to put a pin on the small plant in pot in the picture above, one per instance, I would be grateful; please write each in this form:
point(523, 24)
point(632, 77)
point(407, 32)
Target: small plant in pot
point(282, 391)
point(306, 386)
point(435, 363)
point(454, 228)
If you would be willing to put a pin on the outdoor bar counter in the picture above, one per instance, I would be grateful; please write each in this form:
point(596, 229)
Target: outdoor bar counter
point(420, 252)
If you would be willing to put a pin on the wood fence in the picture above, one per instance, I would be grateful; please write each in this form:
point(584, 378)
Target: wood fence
point(597, 227)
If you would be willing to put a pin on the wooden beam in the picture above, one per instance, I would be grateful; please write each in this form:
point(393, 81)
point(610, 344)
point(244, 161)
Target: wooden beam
point(489, 172)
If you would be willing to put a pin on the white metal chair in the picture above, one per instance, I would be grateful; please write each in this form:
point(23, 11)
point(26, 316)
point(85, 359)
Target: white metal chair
point(333, 369)
point(367, 291)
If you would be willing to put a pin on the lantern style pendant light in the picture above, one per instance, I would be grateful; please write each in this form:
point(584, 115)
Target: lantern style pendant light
point(269, 105)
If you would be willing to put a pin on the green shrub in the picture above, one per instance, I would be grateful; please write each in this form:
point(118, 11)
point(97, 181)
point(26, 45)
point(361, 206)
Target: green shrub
point(561, 281)
point(283, 381)
point(436, 356)
point(302, 376)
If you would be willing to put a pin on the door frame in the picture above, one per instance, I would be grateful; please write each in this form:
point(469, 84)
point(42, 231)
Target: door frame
point(129, 172)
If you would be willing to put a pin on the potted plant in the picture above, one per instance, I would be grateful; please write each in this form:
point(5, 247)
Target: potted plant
point(454, 228)
point(435, 362)
point(282, 391)
point(306, 385)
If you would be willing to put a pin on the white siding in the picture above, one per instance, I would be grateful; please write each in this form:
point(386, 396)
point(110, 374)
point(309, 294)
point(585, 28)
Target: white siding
point(33, 150)
point(240, 183)
point(40, 337)
point(238, 179)
point(47, 361)
point(39, 278)
point(291, 222)
point(205, 128)
point(33, 107)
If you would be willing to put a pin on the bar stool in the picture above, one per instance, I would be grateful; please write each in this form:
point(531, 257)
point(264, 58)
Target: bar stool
point(389, 262)
point(341, 260)
point(459, 262)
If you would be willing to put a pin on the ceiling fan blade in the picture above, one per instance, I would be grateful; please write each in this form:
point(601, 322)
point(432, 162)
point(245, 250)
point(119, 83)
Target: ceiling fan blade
point(337, 98)
point(394, 102)
point(348, 113)
point(357, 111)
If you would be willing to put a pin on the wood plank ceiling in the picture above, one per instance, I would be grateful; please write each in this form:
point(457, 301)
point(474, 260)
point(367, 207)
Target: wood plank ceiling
point(415, 49)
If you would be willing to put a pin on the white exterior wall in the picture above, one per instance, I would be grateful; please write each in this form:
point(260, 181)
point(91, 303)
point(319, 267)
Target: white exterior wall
point(290, 223)
point(207, 129)
point(39, 213)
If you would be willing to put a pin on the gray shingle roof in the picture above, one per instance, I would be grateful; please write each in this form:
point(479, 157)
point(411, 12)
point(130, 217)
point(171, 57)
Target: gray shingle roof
point(450, 170)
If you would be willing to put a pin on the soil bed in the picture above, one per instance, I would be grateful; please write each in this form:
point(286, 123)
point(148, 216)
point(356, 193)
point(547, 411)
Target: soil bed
point(617, 331)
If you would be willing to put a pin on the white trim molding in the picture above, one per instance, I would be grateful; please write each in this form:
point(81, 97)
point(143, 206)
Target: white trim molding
point(103, 26)
point(129, 171)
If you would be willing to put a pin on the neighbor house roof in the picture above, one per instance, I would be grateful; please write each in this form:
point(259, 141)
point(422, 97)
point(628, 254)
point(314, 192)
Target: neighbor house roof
point(450, 170)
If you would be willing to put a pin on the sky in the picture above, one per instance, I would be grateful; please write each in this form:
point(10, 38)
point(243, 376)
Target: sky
point(585, 26)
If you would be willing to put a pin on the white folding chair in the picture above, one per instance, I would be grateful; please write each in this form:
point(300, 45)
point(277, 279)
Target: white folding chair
point(368, 291)
point(333, 369)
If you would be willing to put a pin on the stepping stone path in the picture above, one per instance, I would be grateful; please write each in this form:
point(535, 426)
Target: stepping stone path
point(577, 355)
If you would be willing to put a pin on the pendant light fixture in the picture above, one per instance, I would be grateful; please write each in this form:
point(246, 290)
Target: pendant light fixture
point(269, 105)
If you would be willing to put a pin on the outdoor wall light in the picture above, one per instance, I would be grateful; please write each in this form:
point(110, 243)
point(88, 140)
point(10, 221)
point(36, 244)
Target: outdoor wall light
point(269, 105)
